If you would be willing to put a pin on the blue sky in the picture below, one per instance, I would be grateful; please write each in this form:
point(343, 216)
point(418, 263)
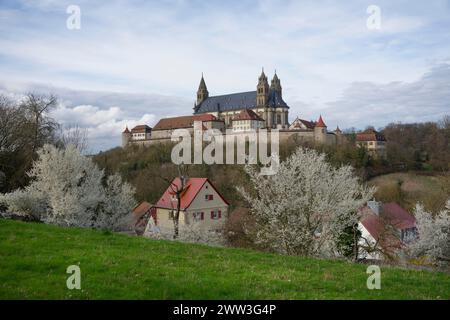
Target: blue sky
point(137, 61)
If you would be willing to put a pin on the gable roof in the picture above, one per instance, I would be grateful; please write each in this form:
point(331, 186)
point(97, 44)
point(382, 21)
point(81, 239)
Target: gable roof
point(247, 114)
point(391, 215)
point(238, 101)
point(192, 188)
point(370, 135)
point(141, 128)
point(141, 208)
point(397, 216)
point(306, 123)
point(182, 122)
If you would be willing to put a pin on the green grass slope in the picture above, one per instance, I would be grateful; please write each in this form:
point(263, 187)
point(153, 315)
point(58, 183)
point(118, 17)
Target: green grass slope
point(34, 258)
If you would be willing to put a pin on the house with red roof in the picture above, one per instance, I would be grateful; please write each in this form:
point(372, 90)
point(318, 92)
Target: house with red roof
point(247, 120)
point(373, 141)
point(385, 228)
point(200, 202)
point(140, 216)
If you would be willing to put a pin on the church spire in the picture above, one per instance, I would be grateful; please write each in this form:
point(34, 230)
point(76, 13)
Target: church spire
point(275, 84)
point(202, 92)
point(263, 75)
point(262, 90)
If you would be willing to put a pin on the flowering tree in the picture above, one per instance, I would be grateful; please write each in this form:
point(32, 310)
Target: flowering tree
point(434, 235)
point(67, 189)
point(189, 233)
point(306, 206)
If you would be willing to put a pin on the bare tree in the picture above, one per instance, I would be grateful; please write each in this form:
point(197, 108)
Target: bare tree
point(37, 108)
point(177, 190)
point(76, 136)
point(386, 244)
point(11, 121)
point(25, 126)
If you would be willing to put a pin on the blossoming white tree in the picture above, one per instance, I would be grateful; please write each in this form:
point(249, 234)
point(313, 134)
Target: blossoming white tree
point(434, 235)
point(190, 233)
point(67, 189)
point(306, 206)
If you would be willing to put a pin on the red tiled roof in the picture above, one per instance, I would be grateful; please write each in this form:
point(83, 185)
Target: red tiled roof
point(193, 186)
point(182, 122)
point(141, 209)
point(141, 128)
point(320, 123)
point(370, 135)
point(392, 215)
point(126, 130)
point(397, 216)
point(307, 124)
point(248, 114)
point(139, 216)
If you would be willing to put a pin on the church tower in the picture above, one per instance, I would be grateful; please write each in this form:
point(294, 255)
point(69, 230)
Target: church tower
point(202, 92)
point(275, 84)
point(262, 91)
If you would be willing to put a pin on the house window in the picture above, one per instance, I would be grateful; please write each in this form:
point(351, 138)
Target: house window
point(216, 214)
point(208, 197)
point(198, 216)
point(171, 215)
point(408, 235)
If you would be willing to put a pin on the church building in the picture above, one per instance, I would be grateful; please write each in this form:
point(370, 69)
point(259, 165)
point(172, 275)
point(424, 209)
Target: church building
point(239, 112)
point(266, 101)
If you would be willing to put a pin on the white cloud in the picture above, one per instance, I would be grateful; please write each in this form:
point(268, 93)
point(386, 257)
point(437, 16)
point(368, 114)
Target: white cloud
point(367, 103)
point(132, 59)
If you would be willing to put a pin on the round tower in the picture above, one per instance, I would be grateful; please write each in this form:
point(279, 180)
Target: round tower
point(126, 137)
point(320, 131)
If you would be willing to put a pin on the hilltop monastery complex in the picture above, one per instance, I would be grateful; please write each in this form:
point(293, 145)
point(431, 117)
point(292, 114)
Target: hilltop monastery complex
point(241, 112)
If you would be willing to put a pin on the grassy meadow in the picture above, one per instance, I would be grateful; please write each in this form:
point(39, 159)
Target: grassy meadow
point(34, 258)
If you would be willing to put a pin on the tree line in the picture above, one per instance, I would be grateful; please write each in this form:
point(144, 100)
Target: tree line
point(25, 126)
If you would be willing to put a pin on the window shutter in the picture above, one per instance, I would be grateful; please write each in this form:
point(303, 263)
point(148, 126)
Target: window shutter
point(220, 214)
point(202, 216)
point(212, 214)
point(210, 197)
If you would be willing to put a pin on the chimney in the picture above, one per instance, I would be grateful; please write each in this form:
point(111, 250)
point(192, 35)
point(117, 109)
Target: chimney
point(375, 206)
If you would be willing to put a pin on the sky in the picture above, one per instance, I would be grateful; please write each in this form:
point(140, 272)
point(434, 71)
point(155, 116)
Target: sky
point(133, 62)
